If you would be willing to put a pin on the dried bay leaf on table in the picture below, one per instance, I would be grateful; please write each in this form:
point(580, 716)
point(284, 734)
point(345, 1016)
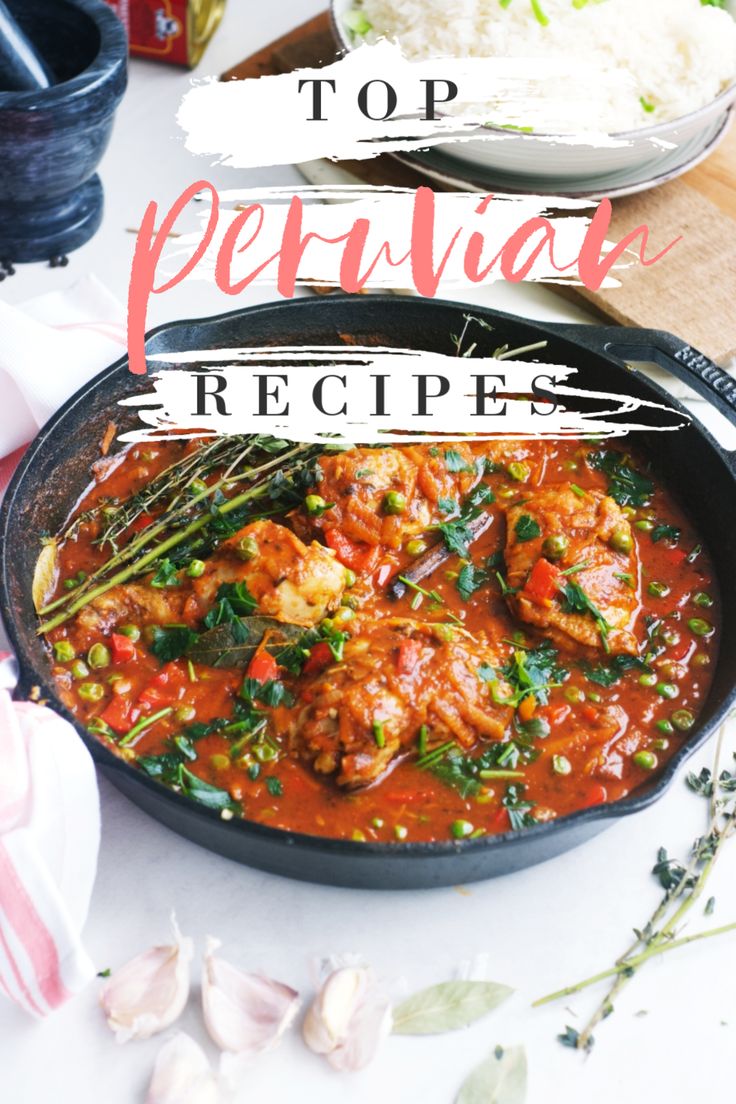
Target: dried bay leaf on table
point(448, 1007)
point(501, 1079)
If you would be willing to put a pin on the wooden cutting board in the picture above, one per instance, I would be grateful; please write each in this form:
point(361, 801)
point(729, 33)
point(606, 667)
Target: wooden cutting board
point(691, 292)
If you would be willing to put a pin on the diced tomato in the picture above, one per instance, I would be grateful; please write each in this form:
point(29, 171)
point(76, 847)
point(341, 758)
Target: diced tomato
point(679, 651)
point(358, 556)
point(319, 657)
point(263, 667)
point(590, 713)
point(596, 795)
point(527, 706)
point(165, 687)
point(383, 574)
point(409, 652)
point(500, 821)
point(558, 713)
point(118, 715)
point(543, 582)
point(123, 648)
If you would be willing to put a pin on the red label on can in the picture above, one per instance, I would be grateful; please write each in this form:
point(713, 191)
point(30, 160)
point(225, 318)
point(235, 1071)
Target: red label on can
point(159, 29)
point(122, 10)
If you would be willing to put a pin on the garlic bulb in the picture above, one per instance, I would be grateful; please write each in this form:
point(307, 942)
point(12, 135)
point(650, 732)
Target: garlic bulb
point(149, 992)
point(182, 1075)
point(244, 1013)
point(348, 1019)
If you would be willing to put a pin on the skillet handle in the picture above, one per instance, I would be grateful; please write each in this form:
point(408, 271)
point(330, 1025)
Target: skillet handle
point(672, 353)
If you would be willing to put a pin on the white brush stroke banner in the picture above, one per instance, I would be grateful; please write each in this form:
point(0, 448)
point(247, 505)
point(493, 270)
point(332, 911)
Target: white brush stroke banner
point(373, 395)
point(272, 120)
point(374, 234)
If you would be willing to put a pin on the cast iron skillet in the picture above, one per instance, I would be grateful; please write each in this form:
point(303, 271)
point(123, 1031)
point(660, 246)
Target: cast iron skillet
point(55, 470)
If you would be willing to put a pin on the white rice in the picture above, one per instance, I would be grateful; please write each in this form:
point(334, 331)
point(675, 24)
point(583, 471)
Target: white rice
point(680, 54)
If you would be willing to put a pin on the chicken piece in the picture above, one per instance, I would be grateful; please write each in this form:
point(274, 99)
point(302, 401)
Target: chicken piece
point(396, 675)
point(357, 483)
point(131, 602)
point(290, 581)
point(589, 530)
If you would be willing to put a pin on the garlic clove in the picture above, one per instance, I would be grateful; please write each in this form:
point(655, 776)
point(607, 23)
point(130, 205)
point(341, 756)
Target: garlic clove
point(148, 993)
point(349, 1018)
point(182, 1075)
point(327, 1022)
point(244, 1013)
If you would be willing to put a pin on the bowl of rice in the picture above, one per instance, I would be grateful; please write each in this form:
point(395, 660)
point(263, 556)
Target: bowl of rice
point(674, 60)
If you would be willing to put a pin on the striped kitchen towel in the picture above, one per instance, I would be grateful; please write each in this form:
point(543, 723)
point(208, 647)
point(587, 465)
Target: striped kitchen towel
point(49, 839)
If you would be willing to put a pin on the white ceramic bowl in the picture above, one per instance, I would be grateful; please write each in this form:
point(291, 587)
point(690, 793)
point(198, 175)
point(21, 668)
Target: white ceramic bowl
point(538, 158)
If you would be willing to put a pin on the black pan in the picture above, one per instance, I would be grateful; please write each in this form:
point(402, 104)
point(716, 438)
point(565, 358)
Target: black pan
point(55, 470)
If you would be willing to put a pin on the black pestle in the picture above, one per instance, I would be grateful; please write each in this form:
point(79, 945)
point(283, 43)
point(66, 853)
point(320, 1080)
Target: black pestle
point(22, 69)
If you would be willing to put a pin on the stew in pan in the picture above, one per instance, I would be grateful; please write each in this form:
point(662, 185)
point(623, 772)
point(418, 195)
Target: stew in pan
point(414, 642)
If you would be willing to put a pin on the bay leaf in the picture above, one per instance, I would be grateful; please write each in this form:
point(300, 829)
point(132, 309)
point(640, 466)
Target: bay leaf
point(45, 574)
point(234, 643)
point(448, 1006)
point(501, 1079)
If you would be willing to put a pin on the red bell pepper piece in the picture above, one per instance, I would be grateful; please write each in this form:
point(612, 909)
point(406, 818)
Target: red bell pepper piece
point(123, 648)
point(263, 667)
point(596, 795)
point(165, 687)
point(319, 657)
point(409, 652)
point(543, 582)
point(357, 555)
point(117, 715)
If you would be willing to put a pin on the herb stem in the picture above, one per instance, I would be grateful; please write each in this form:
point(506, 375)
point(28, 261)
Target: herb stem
point(143, 724)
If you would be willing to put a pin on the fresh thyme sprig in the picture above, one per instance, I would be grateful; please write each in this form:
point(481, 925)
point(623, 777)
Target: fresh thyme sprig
point(684, 885)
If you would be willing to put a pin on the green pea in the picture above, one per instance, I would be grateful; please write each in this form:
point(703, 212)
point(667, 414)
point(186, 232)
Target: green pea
point(401, 832)
point(98, 657)
point(91, 691)
point(505, 492)
point(63, 651)
point(350, 578)
point(198, 486)
point(700, 659)
point(377, 822)
point(79, 669)
point(220, 762)
point(518, 471)
point(195, 569)
point(574, 695)
point(570, 465)
point(247, 548)
point(648, 679)
point(460, 829)
point(394, 502)
point(661, 744)
point(666, 727)
point(350, 601)
point(131, 631)
point(700, 627)
point(184, 714)
point(593, 696)
point(343, 615)
point(555, 546)
point(621, 540)
point(658, 590)
point(646, 525)
point(703, 600)
point(683, 720)
point(358, 836)
point(646, 760)
point(670, 637)
point(561, 765)
point(667, 690)
point(416, 547)
point(315, 504)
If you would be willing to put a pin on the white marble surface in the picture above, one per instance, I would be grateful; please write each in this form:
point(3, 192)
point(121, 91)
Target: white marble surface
point(541, 928)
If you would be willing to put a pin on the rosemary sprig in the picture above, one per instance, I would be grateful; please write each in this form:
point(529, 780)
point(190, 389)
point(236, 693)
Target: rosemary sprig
point(684, 886)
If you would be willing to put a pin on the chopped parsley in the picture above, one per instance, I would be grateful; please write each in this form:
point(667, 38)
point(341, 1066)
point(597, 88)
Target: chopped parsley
point(527, 528)
point(626, 485)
